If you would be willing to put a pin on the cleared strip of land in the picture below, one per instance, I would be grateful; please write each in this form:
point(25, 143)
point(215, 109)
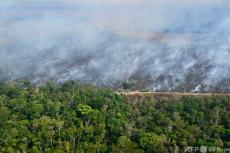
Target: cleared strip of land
point(133, 93)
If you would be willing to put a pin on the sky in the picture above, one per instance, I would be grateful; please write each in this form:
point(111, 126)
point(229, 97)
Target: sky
point(120, 15)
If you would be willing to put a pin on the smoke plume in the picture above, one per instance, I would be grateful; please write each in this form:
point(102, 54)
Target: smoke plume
point(150, 44)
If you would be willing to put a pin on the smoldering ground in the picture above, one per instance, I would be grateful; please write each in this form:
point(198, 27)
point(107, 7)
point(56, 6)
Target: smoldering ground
point(160, 45)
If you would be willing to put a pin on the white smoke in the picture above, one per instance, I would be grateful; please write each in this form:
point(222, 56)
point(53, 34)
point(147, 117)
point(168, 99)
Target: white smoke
point(109, 42)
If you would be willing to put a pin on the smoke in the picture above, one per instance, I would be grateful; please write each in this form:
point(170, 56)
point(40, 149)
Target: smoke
point(160, 45)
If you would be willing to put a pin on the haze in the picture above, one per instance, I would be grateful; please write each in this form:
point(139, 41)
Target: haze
point(109, 42)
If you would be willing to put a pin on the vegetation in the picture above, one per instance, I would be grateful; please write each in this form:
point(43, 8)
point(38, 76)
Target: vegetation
point(70, 118)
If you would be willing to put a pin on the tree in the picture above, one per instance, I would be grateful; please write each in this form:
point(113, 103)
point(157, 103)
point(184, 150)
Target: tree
point(151, 142)
point(125, 145)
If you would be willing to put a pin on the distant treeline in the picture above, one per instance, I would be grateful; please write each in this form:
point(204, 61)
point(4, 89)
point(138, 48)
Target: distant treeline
point(73, 118)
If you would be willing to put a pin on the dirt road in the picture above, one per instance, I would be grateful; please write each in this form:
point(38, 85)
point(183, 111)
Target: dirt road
point(133, 93)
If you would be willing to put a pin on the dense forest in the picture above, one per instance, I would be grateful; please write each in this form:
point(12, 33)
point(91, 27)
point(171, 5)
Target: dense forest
point(73, 118)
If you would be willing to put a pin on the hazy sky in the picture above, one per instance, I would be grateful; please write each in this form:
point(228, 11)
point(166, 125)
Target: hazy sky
point(29, 7)
point(121, 15)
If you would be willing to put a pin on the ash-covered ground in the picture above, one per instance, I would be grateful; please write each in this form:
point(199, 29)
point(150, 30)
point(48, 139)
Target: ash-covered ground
point(185, 62)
